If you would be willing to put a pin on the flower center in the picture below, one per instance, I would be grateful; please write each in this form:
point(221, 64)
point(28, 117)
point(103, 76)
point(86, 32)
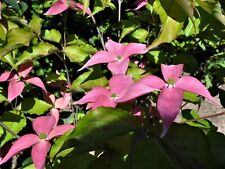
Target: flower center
point(42, 136)
point(171, 83)
point(119, 58)
point(114, 96)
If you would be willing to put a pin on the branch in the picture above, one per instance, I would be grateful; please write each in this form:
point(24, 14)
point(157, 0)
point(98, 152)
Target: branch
point(203, 117)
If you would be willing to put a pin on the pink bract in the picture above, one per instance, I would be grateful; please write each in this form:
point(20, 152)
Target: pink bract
point(140, 4)
point(17, 81)
point(171, 95)
point(100, 96)
point(45, 128)
point(58, 104)
point(117, 56)
point(61, 5)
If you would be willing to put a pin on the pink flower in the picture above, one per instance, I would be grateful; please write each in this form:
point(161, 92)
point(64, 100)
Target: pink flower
point(58, 104)
point(61, 5)
point(172, 89)
point(140, 4)
point(100, 96)
point(117, 56)
point(46, 129)
point(17, 81)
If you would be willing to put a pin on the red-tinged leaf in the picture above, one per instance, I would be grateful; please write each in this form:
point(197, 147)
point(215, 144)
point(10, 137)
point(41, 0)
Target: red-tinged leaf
point(168, 105)
point(15, 88)
point(36, 81)
point(7, 76)
point(92, 95)
point(119, 67)
point(193, 85)
point(25, 69)
point(59, 130)
point(43, 124)
point(63, 102)
point(99, 57)
point(119, 84)
point(39, 152)
point(58, 7)
point(172, 71)
point(22, 143)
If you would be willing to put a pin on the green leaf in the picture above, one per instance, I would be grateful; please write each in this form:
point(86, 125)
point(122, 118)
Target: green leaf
point(52, 35)
point(217, 144)
point(102, 81)
point(188, 114)
point(128, 27)
point(185, 151)
point(140, 34)
point(156, 56)
point(78, 54)
point(35, 24)
point(100, 125)
point(30, 167)
point(81, 162)
point(100, 5)
point(191, 97)
point(186, 5)
point(8, 59)
point(172, 18)
point(3, 96)
point(135, 72)
point(40, 50)
point(57, 145)
point(15, 121)
point(108, 160)
point(13, 4)
point(88, 80)
point(16, 38)
point(212, 7)
point(147, 154)
point(34, 106)
point(3, 32)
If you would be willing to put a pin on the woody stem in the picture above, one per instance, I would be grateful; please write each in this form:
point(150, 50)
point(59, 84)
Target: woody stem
point(204, 117)
point(9, 130)
point(99, 32)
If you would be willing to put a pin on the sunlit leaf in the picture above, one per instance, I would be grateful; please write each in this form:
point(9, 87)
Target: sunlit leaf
point(34, 106)
point(15, 121)
point(16, 38)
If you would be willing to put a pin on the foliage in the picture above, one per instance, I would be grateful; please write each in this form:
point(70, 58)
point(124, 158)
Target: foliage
point(123, 60)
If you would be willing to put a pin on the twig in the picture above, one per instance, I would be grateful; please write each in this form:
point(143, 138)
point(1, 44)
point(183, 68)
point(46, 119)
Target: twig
point(99, 32)
point(14, 162)
point(203, 117)
point(9, 130)
point(119, 13)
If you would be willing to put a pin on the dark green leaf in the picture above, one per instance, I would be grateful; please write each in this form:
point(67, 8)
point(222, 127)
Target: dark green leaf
point(100, 125)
